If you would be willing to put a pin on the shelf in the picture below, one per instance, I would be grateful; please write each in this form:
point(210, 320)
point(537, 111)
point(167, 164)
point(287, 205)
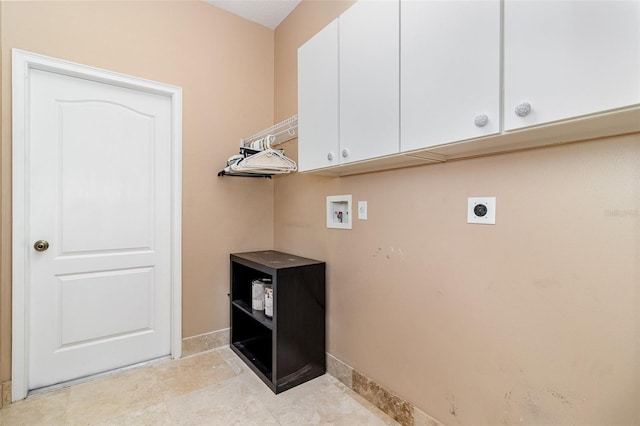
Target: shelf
point(265, 140)
point(279, 133)
point(288, 349)
point(250, 175)
point(257, 315)
point(251, 350)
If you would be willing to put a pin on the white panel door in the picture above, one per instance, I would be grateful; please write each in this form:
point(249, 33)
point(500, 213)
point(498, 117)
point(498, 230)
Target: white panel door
point(99, 192)
point(450, 71)
point(318, 115)
point(369, 80)
point(569, 58)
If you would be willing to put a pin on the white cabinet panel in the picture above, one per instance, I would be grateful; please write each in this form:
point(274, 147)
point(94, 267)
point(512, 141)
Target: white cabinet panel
point(369, 80)
point(450, 71)
point(318, 133)
point(569, 58)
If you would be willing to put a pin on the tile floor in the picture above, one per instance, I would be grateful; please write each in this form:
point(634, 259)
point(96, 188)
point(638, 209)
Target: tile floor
point(211, 388)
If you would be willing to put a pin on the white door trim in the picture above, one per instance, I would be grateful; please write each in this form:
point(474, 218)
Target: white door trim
point(23, 62)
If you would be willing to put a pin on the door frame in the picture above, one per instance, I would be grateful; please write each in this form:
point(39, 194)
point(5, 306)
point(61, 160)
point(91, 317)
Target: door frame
point(23, 63)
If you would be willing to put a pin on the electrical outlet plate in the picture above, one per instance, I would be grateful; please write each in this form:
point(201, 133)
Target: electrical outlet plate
point(339, 211)
point(481, 210)
point(362, 210)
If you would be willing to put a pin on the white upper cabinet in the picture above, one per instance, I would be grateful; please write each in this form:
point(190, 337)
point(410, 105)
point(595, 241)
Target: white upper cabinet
point(450, 71)
point(318, 131)
point(369, 80)
point(392, 80)
point(565, 59)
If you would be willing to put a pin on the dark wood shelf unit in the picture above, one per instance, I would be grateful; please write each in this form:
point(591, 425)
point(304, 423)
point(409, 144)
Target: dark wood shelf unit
point(288, 349)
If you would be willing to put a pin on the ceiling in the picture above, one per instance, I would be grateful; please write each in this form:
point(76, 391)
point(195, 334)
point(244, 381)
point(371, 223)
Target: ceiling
point(265, 12)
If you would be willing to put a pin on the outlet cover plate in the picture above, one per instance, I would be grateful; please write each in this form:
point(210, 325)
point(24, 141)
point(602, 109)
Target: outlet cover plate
point(481, 210)
point(362, 210)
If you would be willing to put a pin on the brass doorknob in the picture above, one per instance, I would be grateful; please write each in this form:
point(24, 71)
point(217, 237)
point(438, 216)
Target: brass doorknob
point(41, 245)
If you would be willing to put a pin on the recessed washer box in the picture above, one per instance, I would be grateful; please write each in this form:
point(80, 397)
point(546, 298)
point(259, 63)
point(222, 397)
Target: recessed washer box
point(339, 211)
point(481, 210)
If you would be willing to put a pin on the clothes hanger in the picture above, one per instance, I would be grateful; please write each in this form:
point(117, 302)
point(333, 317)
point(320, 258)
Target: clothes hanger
point(267, 159)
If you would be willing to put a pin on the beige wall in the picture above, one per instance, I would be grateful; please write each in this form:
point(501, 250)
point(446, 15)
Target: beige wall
point(535, 320)
point(224, 65)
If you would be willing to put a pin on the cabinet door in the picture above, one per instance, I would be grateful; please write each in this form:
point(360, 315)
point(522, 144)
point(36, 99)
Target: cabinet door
point(450, 71)
point(318, 132)
point(369, 80)
point(569, 58)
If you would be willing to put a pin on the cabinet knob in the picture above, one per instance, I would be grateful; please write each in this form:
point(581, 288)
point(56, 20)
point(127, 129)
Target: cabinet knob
point(330, 156)
point(523, 109)
point(481, 120)
point(345, 153)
